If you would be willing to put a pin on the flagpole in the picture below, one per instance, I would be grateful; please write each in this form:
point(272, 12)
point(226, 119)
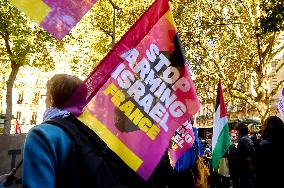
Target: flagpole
point(246, 110)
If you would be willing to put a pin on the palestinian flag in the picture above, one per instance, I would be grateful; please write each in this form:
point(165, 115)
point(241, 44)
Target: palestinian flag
point(221, 134)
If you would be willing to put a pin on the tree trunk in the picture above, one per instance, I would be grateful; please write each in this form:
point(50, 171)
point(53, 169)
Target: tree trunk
point(10, 84)
point(1, 110)
point(263, 110)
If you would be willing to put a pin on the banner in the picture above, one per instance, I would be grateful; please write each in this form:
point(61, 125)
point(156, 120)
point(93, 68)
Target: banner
point(57, 17)
point(140, 93)
point(181, 142)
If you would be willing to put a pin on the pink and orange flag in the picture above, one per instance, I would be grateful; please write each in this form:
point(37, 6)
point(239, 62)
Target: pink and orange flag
point(182, 140)
point(140, 93)
point(57, 17)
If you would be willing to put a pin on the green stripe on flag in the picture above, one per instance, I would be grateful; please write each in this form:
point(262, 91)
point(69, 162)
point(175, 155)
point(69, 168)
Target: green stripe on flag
point(221, 147)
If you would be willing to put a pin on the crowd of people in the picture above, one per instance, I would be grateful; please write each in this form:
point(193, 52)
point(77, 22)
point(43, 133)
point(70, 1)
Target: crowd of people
point(252, 158)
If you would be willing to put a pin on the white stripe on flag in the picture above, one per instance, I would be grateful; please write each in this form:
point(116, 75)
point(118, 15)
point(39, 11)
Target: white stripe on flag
point(219, 124)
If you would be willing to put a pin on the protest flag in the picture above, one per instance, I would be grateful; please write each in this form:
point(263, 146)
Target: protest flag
point(221, 134)
point(140, 93)
point(181, 142)
point(57, 17)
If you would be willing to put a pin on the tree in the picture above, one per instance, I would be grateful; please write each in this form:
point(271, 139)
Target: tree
point(3, 75)
point(22, 43)
point(223, 39)
point(273, 15)
point(92, 38)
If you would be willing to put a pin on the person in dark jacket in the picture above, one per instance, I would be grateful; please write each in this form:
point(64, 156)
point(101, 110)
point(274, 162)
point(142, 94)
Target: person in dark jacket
point(245, 153)
point(233, 160)
point(269, 165)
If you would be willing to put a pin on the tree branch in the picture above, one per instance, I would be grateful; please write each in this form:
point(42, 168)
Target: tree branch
point(242, 3)
point(7, 45)
point(225, 24)
point(269, 46)
point(258, 48)
point(105, 31)
point(3, 36)
point(274, 90)
point(114, 6)
point(277, 51)
point(280, 67)
point(221, 73)
point(245, 98)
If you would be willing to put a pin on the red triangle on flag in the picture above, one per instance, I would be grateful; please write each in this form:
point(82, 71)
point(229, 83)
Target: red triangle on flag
point(221, 100)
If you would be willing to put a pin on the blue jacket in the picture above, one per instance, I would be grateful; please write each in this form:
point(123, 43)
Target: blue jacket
point(188, 159)
point(46, 153)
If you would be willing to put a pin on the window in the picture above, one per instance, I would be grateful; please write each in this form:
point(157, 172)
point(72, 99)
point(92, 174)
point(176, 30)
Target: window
point(36, 98)
point(34, 118)
point(19, 114)
point(20, 98)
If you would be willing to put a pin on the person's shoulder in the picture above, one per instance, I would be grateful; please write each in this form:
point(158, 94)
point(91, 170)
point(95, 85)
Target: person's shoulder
point(245, 139)
point(265, 143)
point(242, 140)
point(47, 128)
point(265, 147)
point(49, 131)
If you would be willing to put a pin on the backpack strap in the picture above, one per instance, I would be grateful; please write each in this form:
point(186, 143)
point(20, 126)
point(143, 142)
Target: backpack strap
point(83, 140)
point(73, 127)
point(91, 160)
point(68, 125)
